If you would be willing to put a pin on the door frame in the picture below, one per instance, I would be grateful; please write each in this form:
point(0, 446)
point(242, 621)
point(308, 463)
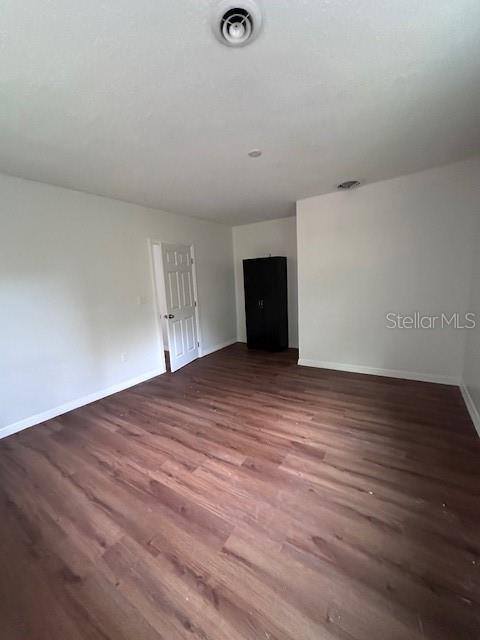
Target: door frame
point(152, 242)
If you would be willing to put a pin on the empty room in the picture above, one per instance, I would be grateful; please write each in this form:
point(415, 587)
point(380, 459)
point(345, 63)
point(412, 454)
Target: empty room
point(240, 320)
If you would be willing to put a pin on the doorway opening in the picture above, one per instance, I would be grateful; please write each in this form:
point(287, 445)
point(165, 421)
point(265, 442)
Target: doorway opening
point(176, 297)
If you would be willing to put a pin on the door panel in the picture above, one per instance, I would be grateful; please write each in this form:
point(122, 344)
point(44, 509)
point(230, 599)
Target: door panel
point(190, 335)
point(180, 301)
point(173, 294)
point(255, 308)
point(187, 289)
point(176, 330)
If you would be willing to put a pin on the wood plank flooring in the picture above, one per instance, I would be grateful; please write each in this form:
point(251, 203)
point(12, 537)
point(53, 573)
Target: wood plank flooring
point(245, 497)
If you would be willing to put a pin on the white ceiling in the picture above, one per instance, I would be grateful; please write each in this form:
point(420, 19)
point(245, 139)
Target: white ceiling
point(135, 99)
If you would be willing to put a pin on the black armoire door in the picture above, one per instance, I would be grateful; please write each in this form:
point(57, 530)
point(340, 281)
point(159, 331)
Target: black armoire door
point(265, 281)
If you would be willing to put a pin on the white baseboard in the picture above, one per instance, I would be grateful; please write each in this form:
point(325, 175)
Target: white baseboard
point(372, 371)
point(31, 421)
point(217, 347)
point(471, 408)
point(38, 418)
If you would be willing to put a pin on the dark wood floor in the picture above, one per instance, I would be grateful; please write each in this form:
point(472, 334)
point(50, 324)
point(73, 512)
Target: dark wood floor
point(245, 497)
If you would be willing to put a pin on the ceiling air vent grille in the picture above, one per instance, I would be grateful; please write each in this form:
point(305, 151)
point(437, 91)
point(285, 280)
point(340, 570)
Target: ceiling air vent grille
point(348, 184)
point(237, 23)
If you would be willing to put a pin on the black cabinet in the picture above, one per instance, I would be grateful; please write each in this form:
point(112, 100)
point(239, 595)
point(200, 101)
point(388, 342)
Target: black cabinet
point(265, 281)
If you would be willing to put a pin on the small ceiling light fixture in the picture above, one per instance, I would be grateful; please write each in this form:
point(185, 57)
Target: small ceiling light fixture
point(348, 184)
point(255, 153)
point(236, 23)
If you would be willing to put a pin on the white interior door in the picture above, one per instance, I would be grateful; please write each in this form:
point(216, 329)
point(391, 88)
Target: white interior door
point(180, 301)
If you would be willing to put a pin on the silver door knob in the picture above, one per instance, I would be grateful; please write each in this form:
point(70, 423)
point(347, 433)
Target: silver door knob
point(168, 316)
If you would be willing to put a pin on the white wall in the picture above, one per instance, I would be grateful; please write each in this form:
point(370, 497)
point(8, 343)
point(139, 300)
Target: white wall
point(276, 238)
point(401, 245)
point(471, 372)
point(72, 269)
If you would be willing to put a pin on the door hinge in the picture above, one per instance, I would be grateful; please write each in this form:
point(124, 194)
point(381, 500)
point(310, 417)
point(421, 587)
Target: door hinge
point(191, 260)
point(198, 344)
point(195, 303)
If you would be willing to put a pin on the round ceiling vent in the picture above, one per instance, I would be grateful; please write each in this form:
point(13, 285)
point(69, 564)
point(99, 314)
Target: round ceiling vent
point(236, 24)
